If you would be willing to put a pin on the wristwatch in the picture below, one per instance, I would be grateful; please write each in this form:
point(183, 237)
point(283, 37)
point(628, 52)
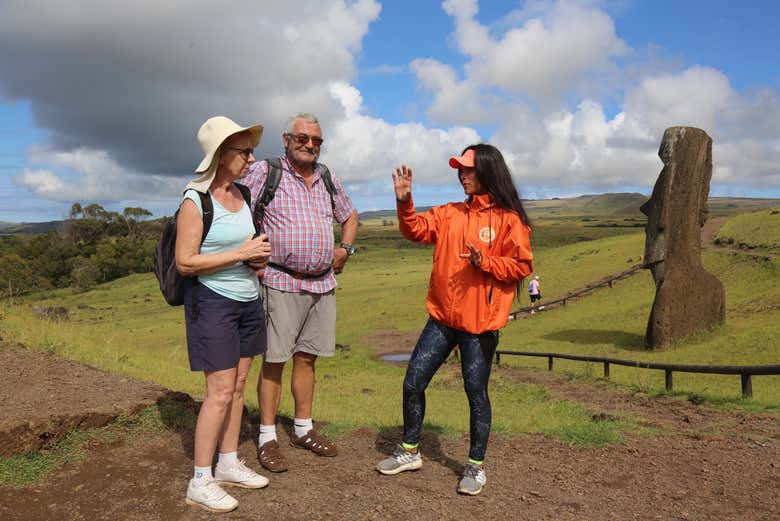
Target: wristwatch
point(350, 249)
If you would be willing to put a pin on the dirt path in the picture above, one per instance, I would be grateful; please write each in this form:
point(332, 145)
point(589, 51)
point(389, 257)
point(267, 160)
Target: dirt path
point(709, 465)
point(671, 477)
point(711, 226)
point(44, 397)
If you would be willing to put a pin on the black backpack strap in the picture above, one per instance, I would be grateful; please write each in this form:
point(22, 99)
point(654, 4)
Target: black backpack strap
point(207, 207)
point(208, 213)
point(246, 193)
point(329, 186)
point(269, 190)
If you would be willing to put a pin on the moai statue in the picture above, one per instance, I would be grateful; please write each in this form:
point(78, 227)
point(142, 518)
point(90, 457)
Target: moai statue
point(687, 297)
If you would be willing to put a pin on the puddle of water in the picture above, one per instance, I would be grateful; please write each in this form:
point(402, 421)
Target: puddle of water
point(396, 357)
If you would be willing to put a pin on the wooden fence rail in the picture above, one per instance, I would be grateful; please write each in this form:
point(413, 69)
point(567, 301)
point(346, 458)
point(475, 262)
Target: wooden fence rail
point(746, 372)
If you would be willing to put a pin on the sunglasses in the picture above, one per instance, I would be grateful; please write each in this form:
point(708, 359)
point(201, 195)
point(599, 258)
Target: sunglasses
point(302, 139)
point(245, 152)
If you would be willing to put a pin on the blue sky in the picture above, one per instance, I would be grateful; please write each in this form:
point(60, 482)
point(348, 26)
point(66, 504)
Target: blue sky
point(104, 105)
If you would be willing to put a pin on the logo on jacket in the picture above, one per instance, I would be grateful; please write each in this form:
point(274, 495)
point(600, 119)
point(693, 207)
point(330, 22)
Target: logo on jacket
point(487, 234)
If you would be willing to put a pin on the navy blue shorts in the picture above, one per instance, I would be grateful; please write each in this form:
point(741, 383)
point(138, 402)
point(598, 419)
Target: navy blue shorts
point(222, 330)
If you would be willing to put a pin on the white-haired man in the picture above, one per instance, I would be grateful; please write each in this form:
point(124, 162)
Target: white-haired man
point(299, 283)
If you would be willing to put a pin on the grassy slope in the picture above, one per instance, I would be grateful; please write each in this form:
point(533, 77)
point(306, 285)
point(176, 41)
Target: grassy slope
point(757, 229)
point(124, 326)
point(612, 323)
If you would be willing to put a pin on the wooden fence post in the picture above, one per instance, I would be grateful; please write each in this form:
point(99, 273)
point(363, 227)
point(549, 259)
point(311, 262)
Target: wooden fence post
point(606, 369)
point(747, 386)
point(549, 363)
point(669, 383)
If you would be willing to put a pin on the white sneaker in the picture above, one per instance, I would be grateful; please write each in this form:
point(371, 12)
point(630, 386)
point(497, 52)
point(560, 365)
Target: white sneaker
point(240, 476)
point(211, 497)
point(400, 461)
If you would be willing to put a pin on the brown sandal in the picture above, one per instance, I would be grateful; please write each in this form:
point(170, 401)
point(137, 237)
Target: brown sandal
point(271, 457)
point(315, 442)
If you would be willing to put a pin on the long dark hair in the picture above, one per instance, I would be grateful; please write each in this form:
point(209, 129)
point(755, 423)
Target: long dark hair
point(494, 176)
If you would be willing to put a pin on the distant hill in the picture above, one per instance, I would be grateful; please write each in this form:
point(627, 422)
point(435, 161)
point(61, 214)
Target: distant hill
point(618, 204)
point(604, 205)
point(732, 205)
point(386, 214)
point(42, 227)
point(622, 204)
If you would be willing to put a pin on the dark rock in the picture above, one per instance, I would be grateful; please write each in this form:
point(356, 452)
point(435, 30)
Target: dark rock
point(51, 313)
point(687, 297)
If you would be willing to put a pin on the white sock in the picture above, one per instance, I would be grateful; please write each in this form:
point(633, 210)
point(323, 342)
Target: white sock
point(201, 475)
point(227, 460)
point(267, 433)
point(302, 426)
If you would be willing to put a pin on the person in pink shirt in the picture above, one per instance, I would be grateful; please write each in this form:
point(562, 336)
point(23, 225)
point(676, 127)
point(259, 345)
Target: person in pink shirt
point(299, 282)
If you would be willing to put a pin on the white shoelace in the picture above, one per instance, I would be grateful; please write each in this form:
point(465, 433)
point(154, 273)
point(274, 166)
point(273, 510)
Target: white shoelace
point(243, 469)
point(212, 490)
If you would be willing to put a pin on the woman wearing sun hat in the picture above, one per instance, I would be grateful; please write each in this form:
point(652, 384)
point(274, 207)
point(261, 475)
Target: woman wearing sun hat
point(482, 253)
point(223, 313)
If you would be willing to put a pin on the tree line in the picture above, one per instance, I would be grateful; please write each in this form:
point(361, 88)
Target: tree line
point(92, 246)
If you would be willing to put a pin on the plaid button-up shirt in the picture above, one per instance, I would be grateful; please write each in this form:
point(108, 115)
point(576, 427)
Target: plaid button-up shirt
point(299, 224)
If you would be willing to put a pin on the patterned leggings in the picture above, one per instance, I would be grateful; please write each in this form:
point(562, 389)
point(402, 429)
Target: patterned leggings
point(476, 358)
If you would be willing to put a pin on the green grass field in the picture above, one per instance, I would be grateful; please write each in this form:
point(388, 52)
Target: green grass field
point(125, 327)
point(753, 230)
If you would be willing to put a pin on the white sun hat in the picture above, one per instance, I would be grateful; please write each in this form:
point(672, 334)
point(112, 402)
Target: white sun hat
point(211, 135)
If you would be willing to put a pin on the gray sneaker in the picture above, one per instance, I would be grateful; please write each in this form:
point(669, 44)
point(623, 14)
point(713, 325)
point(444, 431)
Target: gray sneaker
point(400, 461)
point(473, 480)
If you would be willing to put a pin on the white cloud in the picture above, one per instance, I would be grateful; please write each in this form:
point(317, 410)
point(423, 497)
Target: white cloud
point(523, 80)
point(91, 175)
point(43, 182)
point(559, 51)
point(137, 79)
point(125, 86)
point(361, 148)
point(453, 100)
point(583, 148)
point(697, 97)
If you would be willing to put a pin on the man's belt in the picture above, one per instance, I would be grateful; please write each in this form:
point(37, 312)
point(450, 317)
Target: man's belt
point(298, 275)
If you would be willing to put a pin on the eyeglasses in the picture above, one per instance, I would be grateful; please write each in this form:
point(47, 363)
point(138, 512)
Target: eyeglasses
point(245, 152)
point(303, 139)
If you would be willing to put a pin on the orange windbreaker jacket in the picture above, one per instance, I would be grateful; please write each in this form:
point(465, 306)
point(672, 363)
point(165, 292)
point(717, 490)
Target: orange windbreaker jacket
point(461, 296)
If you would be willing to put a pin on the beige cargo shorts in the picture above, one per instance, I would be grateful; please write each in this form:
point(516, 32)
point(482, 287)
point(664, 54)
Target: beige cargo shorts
point(299, 322)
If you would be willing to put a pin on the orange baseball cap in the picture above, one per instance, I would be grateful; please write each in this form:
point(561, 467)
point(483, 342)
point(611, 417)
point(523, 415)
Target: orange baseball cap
point(466, 160)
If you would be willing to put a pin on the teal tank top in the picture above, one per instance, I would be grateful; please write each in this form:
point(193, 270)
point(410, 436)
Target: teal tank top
point(228, 231)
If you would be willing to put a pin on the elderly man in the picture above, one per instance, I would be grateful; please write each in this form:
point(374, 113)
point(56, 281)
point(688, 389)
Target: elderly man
point(299, 283)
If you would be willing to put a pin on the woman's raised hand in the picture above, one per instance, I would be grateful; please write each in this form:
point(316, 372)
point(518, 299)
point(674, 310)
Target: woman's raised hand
point(402, 182)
